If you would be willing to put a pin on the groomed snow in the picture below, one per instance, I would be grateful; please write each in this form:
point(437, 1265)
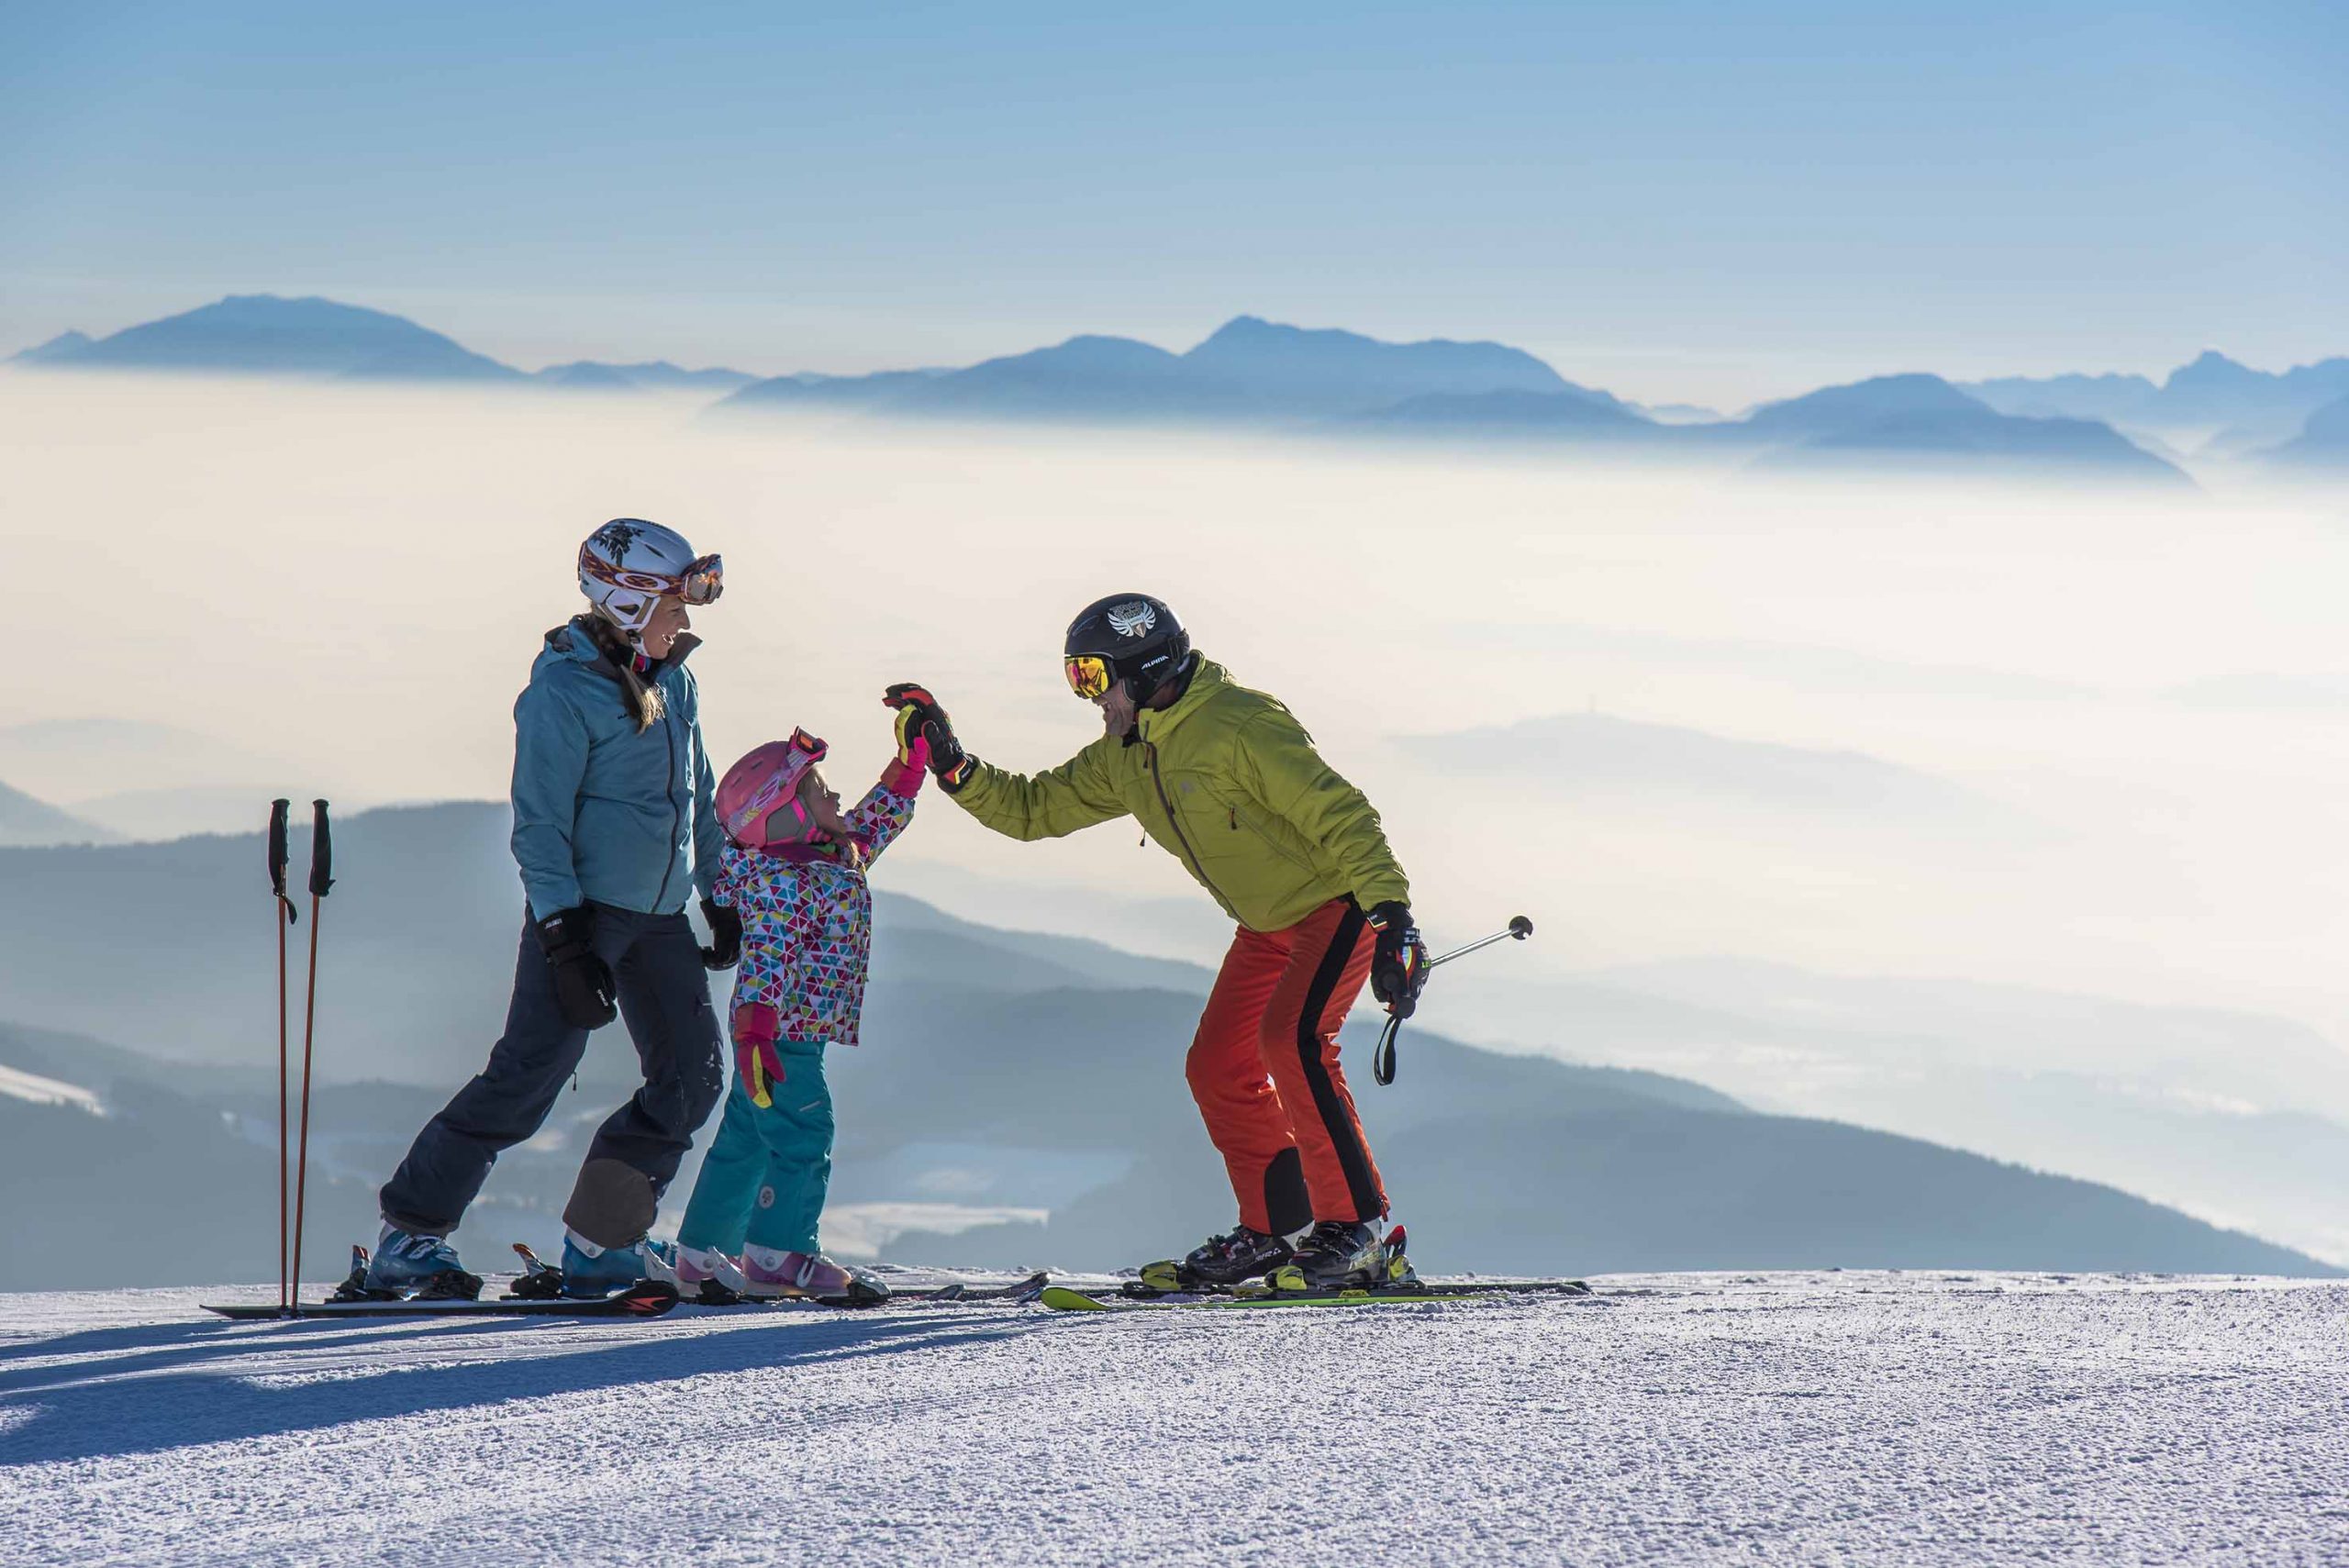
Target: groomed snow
point(1858, 1418)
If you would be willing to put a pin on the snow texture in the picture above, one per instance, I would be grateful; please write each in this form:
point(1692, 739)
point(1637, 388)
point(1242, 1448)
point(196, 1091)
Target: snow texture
point(1815, 1419)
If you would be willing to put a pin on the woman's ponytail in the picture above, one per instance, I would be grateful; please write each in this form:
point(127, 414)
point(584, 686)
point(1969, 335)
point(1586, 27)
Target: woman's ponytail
point(645, 703)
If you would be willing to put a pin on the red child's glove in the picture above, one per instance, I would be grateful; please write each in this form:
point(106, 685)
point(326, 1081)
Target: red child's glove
point(756, 1061)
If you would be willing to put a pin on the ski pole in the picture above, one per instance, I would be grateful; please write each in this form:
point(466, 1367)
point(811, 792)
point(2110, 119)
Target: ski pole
point(1518, 927)
point(1382, 1061)
point(321, 879)
point(277, 809)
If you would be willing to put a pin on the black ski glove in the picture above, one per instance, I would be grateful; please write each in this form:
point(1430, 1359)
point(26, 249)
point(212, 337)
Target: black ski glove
point(725, 949)
point(948, 764)
point(583, 982)
point(1399, 968)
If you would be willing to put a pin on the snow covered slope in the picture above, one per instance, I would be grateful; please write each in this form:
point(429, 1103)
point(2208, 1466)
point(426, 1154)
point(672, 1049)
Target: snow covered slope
point(1689, 1418)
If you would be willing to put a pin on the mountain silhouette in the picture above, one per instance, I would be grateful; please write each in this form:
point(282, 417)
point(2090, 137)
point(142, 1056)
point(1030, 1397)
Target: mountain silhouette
point(1324, 370)
point(2114, 398)
point(25, 820)
point(263, 334)
point(2323, 440)
point(57, 351)
point(1248, 371)
point(2248, 407)
point(1918, 421)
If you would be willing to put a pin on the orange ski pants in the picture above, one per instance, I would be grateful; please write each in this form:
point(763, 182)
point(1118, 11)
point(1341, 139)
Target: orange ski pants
point(1263, 1068)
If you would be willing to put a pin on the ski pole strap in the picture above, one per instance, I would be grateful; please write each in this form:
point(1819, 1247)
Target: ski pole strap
point(1382, 1061)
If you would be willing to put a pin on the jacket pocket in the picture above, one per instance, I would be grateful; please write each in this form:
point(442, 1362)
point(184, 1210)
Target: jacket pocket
point(1244, 822)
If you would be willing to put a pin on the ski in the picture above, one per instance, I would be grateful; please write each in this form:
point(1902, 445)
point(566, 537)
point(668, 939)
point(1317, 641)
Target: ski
point(646, 1298)
point(1134, 1290)
point(1020, 1290)
point(1060, 1298)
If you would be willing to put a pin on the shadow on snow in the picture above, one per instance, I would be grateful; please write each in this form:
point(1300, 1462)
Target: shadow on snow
point(182, 1386)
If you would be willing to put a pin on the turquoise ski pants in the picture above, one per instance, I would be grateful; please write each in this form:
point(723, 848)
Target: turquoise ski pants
point(765, 1179)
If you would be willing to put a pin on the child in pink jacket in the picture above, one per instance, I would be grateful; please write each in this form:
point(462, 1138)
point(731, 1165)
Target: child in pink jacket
point(794, 870)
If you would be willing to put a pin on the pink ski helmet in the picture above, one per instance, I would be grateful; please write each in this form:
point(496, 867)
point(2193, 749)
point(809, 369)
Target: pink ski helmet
point(758, 800)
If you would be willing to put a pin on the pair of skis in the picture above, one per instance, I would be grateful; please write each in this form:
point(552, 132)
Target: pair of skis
point(538, 1293)
point(1137, 1298)
point(289, 1255)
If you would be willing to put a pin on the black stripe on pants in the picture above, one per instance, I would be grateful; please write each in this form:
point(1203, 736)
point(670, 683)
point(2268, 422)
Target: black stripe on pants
point(1336, 1120)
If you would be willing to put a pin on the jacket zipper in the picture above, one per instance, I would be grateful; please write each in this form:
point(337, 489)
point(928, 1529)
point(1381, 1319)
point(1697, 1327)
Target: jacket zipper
point(676, 812)
point(1173, 822)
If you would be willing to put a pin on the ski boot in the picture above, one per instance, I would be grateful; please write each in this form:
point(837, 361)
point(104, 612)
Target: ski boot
point(1339, 1254)
point(422, 1267)
point(709, 1276)
point(1238, 1255)
point(810, 1277)
point(590, 1271)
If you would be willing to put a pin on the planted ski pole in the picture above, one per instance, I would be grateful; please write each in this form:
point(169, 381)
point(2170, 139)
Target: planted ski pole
point(1382, 1061)
point(321, 879)
point(285, 905)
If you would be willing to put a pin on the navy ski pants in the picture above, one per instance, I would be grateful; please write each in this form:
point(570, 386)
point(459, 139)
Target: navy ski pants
point(663, 998)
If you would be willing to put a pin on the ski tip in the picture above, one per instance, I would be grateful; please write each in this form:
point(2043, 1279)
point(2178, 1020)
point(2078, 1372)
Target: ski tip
point(1060, 1298)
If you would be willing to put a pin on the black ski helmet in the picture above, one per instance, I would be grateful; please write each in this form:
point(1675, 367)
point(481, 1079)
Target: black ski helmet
point(1137, 637)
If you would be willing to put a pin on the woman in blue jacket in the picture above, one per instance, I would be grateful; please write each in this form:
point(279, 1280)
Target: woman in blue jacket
point(614, 826)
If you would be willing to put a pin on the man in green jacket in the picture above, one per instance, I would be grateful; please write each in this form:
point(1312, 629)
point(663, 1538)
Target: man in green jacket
point(1226, 779)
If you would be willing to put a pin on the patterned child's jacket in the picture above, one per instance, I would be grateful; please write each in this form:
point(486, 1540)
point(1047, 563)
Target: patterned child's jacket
point(807, 925)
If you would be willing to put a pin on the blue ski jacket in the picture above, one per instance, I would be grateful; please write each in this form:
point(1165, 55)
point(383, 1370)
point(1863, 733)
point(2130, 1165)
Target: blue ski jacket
point(603, 811)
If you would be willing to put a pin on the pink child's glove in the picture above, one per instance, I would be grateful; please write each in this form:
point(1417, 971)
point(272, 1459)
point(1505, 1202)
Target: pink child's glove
point(903, 776)
point(756, 1063)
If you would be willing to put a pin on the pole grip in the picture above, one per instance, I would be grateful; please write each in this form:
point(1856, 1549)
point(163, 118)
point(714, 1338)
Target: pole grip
point(277, 811)
point(321, 851)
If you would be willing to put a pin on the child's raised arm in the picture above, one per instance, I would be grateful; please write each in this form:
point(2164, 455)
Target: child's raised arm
point(887, 808)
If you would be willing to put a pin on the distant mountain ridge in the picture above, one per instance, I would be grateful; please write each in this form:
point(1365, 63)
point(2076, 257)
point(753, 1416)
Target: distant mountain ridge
point(27, 821)
point(2246, 408)
point(266, 335)
point(270, 335)
point(1253, 373)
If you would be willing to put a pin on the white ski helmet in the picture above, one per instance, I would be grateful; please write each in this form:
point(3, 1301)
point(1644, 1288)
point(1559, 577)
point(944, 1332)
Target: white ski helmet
point(627, 564)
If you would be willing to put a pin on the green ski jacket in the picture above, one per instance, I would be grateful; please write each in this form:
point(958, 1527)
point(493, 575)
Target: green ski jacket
point(1228, 782)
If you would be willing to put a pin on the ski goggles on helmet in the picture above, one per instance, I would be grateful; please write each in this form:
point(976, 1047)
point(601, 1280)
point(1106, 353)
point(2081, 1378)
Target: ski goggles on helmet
point(1090, 675)
point(699, 584)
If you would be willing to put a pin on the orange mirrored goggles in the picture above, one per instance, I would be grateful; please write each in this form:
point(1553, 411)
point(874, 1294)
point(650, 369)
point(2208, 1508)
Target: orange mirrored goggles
point(1090, 675)
point(701, 582)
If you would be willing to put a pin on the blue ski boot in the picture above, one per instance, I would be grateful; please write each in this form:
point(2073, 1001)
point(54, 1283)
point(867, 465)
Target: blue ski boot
point(409, 1263)
point(589, 1271)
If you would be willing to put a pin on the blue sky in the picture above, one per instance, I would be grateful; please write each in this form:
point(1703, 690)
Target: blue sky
point(1706, 201)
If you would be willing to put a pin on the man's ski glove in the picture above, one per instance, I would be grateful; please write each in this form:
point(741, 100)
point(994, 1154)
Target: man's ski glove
point(1398, 969)
point(583, 982)
point(947, 761)
point(756, 1061)
point(725, 949)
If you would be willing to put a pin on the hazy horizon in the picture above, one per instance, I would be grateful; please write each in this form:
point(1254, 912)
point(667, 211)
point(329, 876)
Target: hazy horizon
point(2062, 739)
